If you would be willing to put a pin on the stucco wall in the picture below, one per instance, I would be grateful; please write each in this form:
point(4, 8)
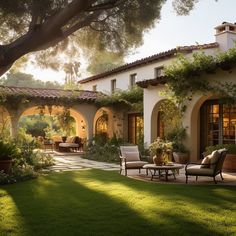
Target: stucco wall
point(191, 119)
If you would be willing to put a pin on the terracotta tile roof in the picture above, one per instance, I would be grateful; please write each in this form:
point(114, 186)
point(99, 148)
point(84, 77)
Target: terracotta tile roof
point(152, 82)
point(151, 59)
point(80, 95)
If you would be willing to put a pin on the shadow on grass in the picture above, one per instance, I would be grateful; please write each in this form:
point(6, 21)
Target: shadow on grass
point(81, 203)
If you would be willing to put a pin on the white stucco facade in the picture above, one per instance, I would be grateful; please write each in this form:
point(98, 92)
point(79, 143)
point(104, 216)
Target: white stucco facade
point(225, 37)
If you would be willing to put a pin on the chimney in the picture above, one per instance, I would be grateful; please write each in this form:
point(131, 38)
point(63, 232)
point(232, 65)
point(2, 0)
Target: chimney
point(226, 35)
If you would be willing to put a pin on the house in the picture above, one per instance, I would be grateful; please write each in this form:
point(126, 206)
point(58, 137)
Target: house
point(207, 120)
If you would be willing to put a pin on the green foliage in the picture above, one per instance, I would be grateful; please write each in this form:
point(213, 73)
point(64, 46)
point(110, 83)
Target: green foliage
point(104, 61)
point(104, 149)
point(177, 137)
point(185, 75)
point(8, 150)
point(119, 26)
point(20, 79)
point(131, 99)
point(27, 161)
point(230, 147)
point(160, 146)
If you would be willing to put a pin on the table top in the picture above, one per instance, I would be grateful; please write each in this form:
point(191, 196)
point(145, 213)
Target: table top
point(163, 167)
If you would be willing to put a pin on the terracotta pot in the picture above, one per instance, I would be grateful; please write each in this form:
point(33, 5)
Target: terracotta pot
point(158, 160)
point(230, 163)
point(5, 166)
point(181, 157)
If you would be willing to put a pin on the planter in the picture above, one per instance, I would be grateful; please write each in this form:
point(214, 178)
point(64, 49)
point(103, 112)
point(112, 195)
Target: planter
point(230, 163)
point(158, 160)
point(64, 139)
point(5, 166)
point(181, 157)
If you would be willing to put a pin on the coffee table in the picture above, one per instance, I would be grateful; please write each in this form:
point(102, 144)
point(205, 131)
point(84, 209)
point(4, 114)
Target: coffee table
point(165, 168)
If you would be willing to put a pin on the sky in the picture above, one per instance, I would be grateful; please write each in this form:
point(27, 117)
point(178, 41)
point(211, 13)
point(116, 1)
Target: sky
point(170, 31)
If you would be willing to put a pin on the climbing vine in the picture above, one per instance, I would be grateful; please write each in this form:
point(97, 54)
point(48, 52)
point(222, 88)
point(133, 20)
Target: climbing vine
point(185, 76)
point(131, 99)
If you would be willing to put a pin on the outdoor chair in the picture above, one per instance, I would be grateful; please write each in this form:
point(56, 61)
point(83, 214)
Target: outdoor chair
point(210, 166)
point(130, 159)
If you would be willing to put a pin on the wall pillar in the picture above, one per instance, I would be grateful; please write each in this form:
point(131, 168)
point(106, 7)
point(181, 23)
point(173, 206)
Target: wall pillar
point(14, 125)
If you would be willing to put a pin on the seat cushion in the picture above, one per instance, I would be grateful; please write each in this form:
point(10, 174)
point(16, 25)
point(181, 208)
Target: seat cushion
point(206, 162)
point(69, 145)
point(131, 156)
point(135, 164)
point(197, 170)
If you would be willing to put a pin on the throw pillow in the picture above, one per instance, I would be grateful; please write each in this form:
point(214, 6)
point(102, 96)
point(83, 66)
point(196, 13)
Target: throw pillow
point(206, 162)
point(215, 155)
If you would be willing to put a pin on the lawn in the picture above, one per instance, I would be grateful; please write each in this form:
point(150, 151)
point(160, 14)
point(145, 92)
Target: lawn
point(96, 202)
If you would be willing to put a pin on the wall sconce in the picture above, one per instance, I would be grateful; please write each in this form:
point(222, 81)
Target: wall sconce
point(82, 125)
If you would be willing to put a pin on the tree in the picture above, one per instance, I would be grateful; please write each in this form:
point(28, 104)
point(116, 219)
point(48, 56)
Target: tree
point(104, 61)
point(19, 79)
point(31, 25)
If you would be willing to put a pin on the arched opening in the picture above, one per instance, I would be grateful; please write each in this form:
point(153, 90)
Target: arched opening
point(103, 123)
point(68, 121)
point(101, 126)
point(165, 118)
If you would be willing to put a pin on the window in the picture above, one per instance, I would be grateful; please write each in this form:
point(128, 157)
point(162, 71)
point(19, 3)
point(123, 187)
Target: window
point(218, 124)
point(113, 85)
point(158, 71)
point(135, 128)
point(94, 88)
point(132, 80)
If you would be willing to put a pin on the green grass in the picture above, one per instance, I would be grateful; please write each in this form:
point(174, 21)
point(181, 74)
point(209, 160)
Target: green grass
point(96, 202)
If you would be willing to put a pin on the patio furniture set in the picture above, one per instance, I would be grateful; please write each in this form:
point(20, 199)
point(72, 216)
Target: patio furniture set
point(73, 143)
point(211, 165)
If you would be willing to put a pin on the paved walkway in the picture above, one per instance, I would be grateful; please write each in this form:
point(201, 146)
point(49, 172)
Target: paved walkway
point(70, 162)
point(73, 161)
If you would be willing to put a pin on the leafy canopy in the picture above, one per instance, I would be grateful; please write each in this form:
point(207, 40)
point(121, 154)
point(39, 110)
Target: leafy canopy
point(28, 26)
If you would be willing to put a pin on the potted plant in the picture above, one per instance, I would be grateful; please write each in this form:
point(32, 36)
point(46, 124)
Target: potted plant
point(180, 153)
point(230, 160)
point(7, 152)
point(160, 150)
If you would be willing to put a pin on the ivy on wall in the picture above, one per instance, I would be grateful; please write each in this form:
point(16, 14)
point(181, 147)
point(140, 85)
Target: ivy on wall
point(185, 76)
point(127, 99)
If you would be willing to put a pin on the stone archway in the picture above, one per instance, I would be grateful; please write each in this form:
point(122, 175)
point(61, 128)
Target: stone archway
point(81, 124)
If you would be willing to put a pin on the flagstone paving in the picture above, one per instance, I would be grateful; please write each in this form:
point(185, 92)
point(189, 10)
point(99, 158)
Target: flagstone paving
point(69, 162)
point(74, 161)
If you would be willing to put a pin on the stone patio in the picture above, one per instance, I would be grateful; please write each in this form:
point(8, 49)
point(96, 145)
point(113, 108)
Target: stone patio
point(74, 161)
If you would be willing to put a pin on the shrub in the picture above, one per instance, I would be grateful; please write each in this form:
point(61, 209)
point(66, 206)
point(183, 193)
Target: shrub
point(8, 150)
point(103, 149)
point(230, 147)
